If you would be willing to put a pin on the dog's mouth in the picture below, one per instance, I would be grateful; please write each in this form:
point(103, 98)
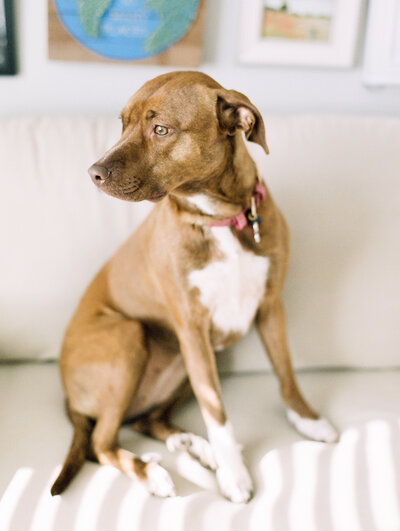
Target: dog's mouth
point(157, 197)
point(129, 192)
point(136, 192)
point(133, 193)
point(129, 188)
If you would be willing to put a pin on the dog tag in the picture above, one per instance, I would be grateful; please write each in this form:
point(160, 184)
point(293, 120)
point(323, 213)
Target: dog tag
point(254, 220)
point(255, 225)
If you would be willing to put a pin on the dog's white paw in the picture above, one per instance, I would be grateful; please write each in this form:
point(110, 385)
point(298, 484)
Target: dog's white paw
point(195, 446)
point(235, 484)
point(158, 481)
point(317, 429)
point(232, 475)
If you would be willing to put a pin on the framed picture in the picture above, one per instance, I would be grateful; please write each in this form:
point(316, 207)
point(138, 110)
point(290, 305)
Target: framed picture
point(7, 50)
point(382, 51)
point(157, 32)
point(299, 32)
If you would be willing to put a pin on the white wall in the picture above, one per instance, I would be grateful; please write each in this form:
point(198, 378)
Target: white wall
point(103, 88)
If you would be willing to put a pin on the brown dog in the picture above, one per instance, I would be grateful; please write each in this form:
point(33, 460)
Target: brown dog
point(210, 258)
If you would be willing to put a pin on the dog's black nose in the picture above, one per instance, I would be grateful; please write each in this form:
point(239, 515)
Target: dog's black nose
point(99, 174)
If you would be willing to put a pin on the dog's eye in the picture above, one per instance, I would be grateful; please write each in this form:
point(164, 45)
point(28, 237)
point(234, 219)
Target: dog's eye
point(160, 130)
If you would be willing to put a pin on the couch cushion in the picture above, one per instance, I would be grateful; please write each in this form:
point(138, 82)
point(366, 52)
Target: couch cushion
point(335, 179)
point(300, 485)
point(56, 229)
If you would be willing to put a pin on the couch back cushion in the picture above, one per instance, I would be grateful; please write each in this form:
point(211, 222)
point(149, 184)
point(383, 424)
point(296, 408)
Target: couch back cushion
point(56, 228)
point(336, 179)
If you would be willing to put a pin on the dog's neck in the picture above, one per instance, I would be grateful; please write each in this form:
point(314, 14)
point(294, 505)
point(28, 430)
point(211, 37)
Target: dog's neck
point(222, 195)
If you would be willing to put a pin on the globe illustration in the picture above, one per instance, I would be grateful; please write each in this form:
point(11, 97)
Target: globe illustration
point(127, 29)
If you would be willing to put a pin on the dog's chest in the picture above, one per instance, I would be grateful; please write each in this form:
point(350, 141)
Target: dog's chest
point(232, 286)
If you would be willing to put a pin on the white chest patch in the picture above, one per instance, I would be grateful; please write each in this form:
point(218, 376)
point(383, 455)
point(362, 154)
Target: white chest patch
point(232, 287)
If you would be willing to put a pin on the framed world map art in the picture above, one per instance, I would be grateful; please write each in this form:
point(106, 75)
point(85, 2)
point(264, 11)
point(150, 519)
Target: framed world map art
point(162, 32)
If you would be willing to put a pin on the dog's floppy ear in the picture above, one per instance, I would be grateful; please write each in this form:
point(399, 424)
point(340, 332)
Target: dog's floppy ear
point(236, 112)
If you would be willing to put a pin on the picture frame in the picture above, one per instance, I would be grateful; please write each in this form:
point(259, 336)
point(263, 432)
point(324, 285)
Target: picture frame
point(382, 49)
point(64, 46)
point(7, 39)
point(336, 32)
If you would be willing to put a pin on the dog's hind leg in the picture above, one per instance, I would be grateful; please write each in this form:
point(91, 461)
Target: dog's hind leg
point(102, 370)
point(271, 325)
point(128, 359)
point(158, 425)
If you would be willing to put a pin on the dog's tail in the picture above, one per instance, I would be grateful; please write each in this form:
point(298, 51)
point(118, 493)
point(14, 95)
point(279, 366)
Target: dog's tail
point(79, 450)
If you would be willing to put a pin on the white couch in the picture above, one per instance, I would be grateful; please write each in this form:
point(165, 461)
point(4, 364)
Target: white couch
point(337, 180)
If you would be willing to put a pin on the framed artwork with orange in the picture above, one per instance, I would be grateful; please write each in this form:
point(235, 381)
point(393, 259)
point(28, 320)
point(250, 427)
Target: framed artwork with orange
point(300, 32)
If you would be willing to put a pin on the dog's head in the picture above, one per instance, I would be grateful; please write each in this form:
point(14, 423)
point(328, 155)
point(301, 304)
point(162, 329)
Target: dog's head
point(177, 129)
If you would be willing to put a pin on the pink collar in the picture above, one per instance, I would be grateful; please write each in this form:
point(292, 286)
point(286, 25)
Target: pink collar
point(240, 221)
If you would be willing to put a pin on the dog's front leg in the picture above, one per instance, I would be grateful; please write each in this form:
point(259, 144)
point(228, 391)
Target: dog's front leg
point(233, 477)
point(271, 326)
